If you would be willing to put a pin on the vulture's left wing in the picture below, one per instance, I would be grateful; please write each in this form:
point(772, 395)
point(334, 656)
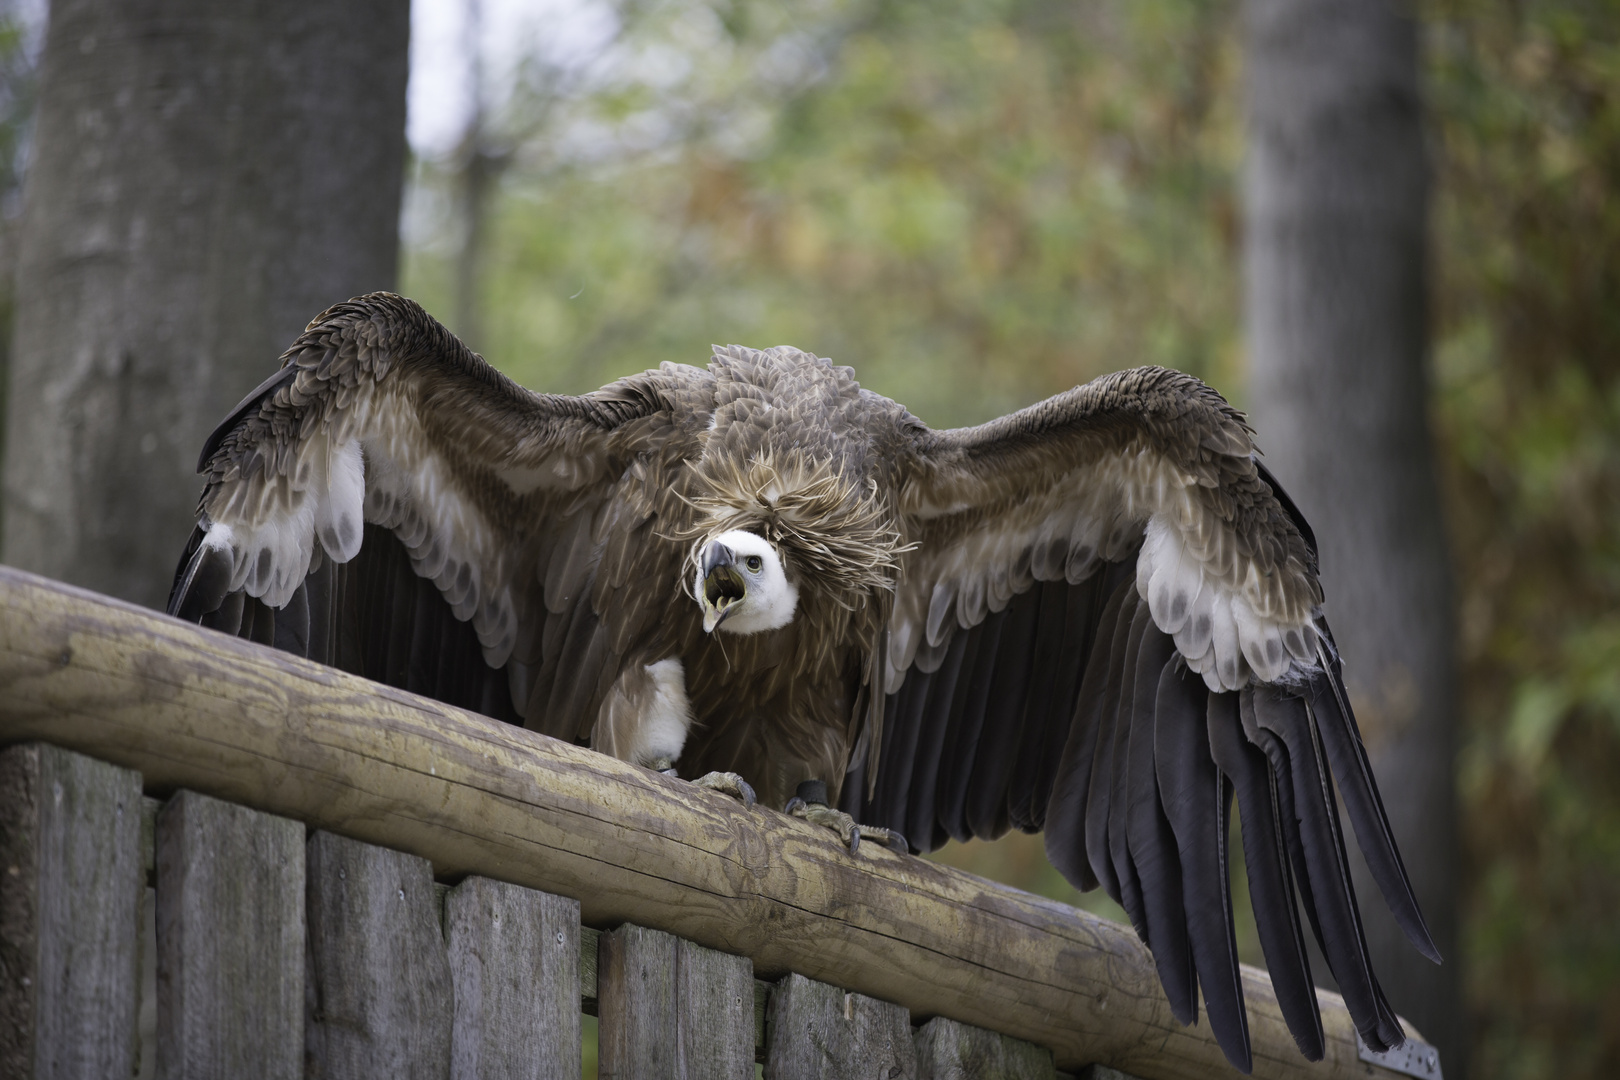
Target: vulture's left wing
point(1110, 624)
point(389, 503)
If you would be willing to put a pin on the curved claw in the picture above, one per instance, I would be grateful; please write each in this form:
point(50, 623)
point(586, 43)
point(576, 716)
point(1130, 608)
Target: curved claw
point(889, 838)
point(728, 783)
point(892, 839)
point(847, 828)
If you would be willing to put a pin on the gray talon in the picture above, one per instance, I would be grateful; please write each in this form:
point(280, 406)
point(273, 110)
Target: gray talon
point(839, 822)
point(728, 783)
point(889, 838)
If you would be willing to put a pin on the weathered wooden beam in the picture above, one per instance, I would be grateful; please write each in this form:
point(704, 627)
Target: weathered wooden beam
point(192, 708)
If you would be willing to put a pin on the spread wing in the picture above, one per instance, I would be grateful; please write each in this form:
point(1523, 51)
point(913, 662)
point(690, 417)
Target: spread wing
point(1110, 626)
point(389, 503)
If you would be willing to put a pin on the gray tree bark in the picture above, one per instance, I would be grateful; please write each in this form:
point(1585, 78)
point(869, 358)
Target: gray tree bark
point(1335, 194)
point(207, 178)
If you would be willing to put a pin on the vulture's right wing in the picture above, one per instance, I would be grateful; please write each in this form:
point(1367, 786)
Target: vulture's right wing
point(389, 503)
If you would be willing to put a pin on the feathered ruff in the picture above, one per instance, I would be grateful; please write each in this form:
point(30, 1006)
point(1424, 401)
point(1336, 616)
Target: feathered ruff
point(835, 528)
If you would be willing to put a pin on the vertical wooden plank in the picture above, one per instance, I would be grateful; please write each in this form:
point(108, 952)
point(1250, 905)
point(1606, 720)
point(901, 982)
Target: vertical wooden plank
point(949, 1050)
point(671, 1009)
point(230, 942)
point(146, 1014)
point(379, 998)
point(587, 969)
point(70, 889)
point(514, 962)
point(819, 1032)
point(762, 997)
point(1102, 1072)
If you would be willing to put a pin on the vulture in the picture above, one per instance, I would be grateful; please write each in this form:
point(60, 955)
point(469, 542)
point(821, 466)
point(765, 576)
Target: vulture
point(1098, 616)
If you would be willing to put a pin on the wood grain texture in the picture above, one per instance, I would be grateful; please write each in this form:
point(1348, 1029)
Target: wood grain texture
point(819, 1032)
point(514, 961)
point(587, 968)
point(70, 889)
point(189, 707)
point(377, 987)
point(230, 942)
point(672, 1010)
point(951, 1050)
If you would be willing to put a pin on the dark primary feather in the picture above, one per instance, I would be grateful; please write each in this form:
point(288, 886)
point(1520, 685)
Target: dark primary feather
point(962, 740)
point(1002, 732)
point(1077, 728)
point(1113, 794)
point(1148, 834)
point(1326, 864)
point(1271, 887)
point(1085, 619)
point(1197, 802)
point(1050, 665)
point(200, 581)
point(1341, 740)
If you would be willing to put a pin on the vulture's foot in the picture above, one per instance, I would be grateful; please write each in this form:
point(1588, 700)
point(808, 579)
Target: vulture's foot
point(663, 765)
point(729, 783)
point(811, 804)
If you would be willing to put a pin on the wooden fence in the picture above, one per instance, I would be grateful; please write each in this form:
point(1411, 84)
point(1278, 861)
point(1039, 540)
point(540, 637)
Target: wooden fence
point(343, 879)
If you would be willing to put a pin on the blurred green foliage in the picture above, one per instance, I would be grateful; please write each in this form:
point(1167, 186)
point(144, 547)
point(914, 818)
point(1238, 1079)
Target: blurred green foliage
point(971, 202)
point(1526, 107)
point(981, 203)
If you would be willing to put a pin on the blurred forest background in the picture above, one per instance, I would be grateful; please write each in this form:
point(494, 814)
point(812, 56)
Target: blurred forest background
point(978, 204)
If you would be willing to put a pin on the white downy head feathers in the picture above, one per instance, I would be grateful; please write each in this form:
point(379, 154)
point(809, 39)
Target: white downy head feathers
point(768, 598)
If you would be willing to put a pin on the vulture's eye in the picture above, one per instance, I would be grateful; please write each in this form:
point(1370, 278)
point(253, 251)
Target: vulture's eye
point(754, 563)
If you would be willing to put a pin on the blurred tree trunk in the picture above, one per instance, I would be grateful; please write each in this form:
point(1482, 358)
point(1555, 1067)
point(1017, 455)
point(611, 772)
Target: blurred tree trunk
point(1335, 192)
point(475, 174)
point(206, 179)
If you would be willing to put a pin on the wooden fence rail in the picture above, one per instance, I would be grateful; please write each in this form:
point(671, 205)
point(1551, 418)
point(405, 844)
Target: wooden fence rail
point(308, 814)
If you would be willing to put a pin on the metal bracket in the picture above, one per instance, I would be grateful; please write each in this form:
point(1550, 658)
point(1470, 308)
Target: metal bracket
point(1414, 1057)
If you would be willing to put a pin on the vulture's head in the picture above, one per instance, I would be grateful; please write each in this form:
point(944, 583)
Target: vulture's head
point(742, 585)
point(779, 537)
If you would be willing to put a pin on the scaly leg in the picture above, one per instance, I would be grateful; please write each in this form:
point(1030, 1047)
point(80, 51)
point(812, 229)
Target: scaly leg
point(727, 783)
point(810, 803)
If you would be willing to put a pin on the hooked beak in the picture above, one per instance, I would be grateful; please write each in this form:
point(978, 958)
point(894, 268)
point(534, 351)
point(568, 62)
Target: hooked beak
point(723, 587)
